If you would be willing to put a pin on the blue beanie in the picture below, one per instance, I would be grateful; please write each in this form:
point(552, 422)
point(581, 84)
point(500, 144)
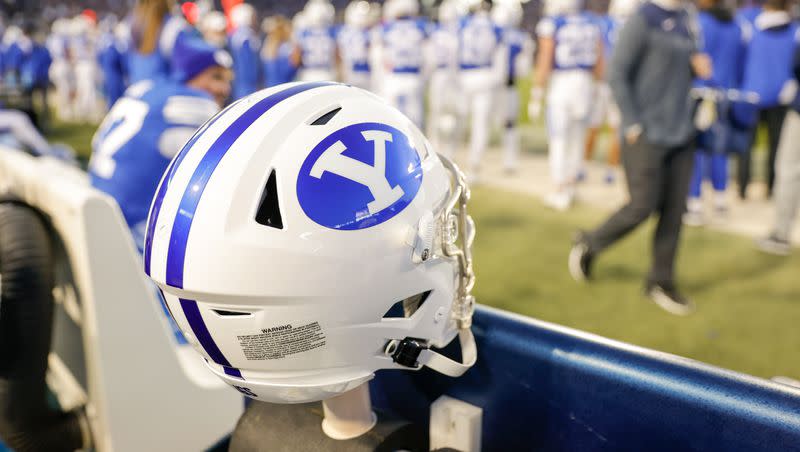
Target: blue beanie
point(192, 56)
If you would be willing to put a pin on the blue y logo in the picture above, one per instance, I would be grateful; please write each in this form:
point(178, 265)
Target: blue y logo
point(359, 177)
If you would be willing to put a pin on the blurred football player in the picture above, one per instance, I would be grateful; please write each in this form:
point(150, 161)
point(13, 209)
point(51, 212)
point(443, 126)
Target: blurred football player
point(154, 32)
point(725, 41)
point(571, 58)
point(61, 71)
point(443, 97)
point(147, 127)
point(110, 56)
point(353, 41)
point(279, 55)
point(87, 74)
point(605, 110)
point(316, 38)
point(244, 46)
point(508, 15)
point(17, 47)
point(768, 73)
point(401, 41)
point(482, 61)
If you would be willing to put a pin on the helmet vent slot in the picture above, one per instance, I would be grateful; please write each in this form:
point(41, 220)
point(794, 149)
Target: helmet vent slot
point(326, 117)
point(406, 308)
point(269, 211)
point(225, 313)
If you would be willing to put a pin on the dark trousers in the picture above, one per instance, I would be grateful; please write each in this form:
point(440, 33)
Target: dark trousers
point(773, 119)
point(658, 182)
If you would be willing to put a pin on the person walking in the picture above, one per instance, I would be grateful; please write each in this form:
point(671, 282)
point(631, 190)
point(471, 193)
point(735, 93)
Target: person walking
point(651, 75)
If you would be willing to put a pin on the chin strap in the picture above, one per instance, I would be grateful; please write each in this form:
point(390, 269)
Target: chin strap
point(415, 354)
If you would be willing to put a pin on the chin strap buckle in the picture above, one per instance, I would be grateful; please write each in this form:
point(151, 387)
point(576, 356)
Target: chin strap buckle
point(406, 352)
point(414, 353)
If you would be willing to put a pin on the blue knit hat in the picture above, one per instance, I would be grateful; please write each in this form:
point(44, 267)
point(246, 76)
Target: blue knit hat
point(192, 56)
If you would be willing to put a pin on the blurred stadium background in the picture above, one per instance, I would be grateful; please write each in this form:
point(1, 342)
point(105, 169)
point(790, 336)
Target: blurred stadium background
point(748, 308)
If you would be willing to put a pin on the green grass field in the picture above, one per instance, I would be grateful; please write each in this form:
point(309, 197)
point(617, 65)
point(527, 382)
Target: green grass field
point(748, 304)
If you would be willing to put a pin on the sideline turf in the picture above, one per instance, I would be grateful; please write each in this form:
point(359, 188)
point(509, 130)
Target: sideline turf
point(748, 303)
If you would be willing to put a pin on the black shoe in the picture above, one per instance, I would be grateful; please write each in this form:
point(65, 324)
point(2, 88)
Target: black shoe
point(774, 245)
point(669, 299)
point(580, 259)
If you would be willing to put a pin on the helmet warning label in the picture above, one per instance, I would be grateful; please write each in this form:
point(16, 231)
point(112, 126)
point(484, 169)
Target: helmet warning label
point(281, 341)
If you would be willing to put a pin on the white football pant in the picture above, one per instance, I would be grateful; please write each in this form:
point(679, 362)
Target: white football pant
point(569, 103)
point(87, 97)
point(405, 92)
point(478, 87)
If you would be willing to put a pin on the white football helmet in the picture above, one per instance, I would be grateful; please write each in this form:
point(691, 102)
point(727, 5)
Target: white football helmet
point(213, 22)
point(243, 15)
point(60, 26)
point(562, 7)
point(319, 13)
point(394, 9)
point(308, 236)
point(507, 13)
point(623, 9)
point(448, 11)
point(299, 21)
point(358, 14)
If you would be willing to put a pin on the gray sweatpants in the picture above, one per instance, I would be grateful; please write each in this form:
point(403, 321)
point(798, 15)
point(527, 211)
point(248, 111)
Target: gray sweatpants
point(787, 182)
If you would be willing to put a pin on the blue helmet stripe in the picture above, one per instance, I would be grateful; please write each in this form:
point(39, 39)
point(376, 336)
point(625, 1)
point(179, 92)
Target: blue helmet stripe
point(233, 372)
point(192, 313)
point(176, 253)
point(162, 189)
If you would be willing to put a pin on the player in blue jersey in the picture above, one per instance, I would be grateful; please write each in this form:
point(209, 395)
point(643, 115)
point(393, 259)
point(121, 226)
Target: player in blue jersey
point(244, 46)
point(444, 103)
point(605, 111)
point(401, 43)
point(151, 122)
point(725, 41)
point(353, 41)
point(519, 48)
point(768, 73)
point(571, 58)
point(482, 64)
point(154, 33)
point(17, 47)
point(279, 56)
point(111, 58)
point(317, 42)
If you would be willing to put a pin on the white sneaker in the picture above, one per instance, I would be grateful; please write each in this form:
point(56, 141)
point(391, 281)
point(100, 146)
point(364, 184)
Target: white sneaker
point(694, 213)
point(560, 201)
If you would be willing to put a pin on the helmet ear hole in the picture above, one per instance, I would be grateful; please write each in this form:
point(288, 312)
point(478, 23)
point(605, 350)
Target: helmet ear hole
point(406, 308)
point(269, 211)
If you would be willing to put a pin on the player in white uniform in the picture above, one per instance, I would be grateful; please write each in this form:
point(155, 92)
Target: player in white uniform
point(571, 57)
point(61, 70)
point(317, 42)
point(87, 74)
point(519, 46)
point(443, 86)
point(482, 60)
point(401, 45)
point(353, 41)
